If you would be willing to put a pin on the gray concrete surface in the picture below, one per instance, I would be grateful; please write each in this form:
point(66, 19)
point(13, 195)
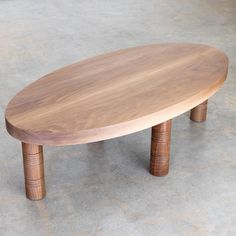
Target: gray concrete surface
point(104, 188)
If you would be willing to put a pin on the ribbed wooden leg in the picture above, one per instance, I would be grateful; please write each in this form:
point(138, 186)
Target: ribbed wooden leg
point(160, 149)
point(34, 171)
point(199, 112)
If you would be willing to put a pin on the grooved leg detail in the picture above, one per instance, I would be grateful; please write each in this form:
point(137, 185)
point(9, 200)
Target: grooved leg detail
point(199, 112)
point(160, 149)
point(34, 171)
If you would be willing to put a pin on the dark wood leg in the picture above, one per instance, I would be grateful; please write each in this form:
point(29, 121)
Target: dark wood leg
point(34, 171)
point(199, 113)
point(160, 149)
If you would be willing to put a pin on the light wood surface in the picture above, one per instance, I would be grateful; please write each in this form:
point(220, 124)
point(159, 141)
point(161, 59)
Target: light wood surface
point(160, 149)
point(34, 171)
point(115, 94)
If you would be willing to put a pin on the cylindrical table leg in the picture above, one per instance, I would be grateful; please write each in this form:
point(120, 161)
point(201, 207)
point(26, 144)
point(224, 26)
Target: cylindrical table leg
point(160, 149)
point(199, 112)
point(34, 171)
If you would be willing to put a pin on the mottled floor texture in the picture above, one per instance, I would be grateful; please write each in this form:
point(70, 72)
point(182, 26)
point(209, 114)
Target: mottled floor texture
point(104, 188)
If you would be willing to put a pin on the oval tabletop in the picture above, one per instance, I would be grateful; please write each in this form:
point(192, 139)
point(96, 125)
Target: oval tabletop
point(115, 94)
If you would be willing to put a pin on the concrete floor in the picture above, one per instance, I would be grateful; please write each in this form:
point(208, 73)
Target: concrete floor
point(104, 188)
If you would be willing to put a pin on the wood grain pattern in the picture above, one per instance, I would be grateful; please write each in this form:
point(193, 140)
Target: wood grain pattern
point(34, 171)
point(199, 113)
point(115, 94)
point(160, 149)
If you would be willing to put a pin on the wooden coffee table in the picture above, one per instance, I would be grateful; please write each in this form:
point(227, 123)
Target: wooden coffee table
point(113, 95)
